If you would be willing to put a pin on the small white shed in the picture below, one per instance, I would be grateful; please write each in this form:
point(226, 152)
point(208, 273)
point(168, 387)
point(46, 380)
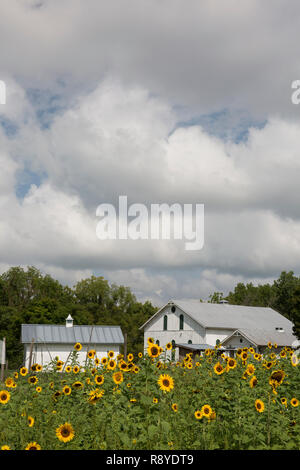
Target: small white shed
point(50, 341)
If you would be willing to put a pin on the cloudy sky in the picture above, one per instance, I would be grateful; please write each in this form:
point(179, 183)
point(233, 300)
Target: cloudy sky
point(165, 101)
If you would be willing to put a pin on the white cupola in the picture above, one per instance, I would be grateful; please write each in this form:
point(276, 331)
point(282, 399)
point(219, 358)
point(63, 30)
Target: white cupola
point(69, 321)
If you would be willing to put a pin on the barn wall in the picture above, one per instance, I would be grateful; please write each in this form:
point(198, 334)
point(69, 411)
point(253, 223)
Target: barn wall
point(212, 334)
point(43, 353)
point(191, 330)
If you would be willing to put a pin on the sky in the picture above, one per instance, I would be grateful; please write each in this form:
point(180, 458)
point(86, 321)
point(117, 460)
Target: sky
point(165, 101)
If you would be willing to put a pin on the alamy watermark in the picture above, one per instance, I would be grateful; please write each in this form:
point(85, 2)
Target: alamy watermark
point(162, 222)
point(296, 94)
point(2, 92)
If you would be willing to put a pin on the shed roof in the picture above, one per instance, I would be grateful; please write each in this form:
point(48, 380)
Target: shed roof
point(94, 334)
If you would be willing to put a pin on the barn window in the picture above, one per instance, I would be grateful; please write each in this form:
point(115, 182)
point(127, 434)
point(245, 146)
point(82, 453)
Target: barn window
point(190, 341)
point(157, 342)
point(165, 322)
point(181, 322)
point(173, 309)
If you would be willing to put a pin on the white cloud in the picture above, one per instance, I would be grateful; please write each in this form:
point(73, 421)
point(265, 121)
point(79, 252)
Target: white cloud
point(119, 140)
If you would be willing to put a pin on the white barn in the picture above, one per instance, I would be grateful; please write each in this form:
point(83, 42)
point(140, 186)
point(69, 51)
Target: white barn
point(50, 341)
point(196, 326)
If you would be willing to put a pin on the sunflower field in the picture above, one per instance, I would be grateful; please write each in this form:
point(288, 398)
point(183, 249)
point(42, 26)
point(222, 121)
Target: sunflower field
point(148, 402)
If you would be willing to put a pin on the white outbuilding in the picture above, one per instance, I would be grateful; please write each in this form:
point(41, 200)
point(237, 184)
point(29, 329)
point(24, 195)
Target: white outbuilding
point(191, 325)
point(50, 341)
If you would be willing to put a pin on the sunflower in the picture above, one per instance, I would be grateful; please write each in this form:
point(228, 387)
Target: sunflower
point(60, 363)
point(77, 385)
point(5, 447)
point(169, 346)
point(206, 411)
point(257, 356)
point(9, 382)
point(276, 378)
point(153, 350)
point(239, 351)
point(33, 379)
point(39, 389)
point(231, 363)
point(16, 375)
point(136, 369)
point(250, 369)
point(130, 357)
point(294, 360)
point(95, 395)
point(251, 350)
point(33, 446)
point(150, 341)
point(259, 405)
point(284, 401)
point(68, 369)
point(76, 369)
point(56, 394)
point(97, 361)
point(4, 396)
point(30, 420)
point(253, 381)
point(244, 356)
point(104, 361)
point(65, 432)
point(111, 364)
point(275, 345)
point(294, 402)
point(189, 365)
point(123, 365)
point(67, 390)
point(218, 369)
point(175, 407)
point(282, 353)
point(165, 382)
point(33, 367)
point(39, 367)
point(140, 355)
point(198, 414)
point(99, 379)
point(155, 400)
point(110, 354)
point(269, 345)
point(77, 347)
point(91, 353)
point(117, 377)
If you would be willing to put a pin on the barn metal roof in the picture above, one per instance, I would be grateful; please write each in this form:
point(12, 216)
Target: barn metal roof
point(211, 315)
point(195, 347)
point(261, 337)
point(84, 334)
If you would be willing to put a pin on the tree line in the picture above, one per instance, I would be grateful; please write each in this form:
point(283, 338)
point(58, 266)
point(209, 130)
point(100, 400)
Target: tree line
point(283, 295)
point(28, 296)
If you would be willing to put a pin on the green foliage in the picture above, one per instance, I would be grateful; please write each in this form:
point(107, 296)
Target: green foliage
point(28, 296)
point(283, 296)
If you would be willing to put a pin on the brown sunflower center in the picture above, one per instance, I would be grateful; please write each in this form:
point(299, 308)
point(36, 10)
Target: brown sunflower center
point(65, 432)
